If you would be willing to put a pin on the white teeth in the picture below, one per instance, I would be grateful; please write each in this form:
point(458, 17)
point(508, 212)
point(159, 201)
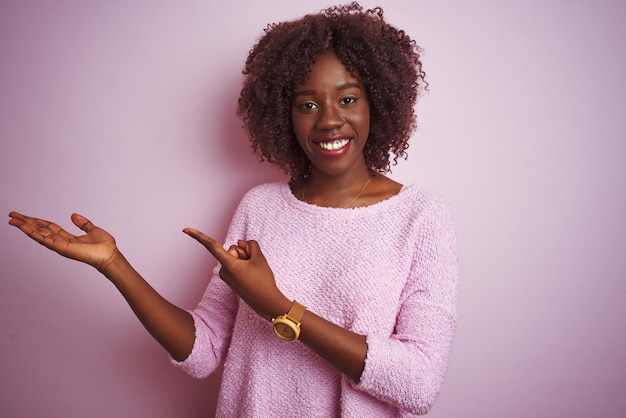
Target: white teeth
point(334, 145)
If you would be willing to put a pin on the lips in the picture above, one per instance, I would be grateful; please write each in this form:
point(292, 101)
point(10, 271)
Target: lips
point(333, 147)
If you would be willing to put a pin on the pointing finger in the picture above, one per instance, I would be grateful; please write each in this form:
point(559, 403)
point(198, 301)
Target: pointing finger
point(214, 247)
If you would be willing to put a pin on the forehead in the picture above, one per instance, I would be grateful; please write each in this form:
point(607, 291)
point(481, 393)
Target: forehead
point(328, 70)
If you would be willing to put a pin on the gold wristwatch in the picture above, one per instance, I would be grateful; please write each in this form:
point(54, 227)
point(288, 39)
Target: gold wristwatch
point(287, 326)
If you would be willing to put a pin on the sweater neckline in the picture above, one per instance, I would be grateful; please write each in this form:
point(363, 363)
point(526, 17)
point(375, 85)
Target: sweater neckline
point(293, 201)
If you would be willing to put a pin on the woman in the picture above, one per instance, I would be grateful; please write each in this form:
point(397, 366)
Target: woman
point(338, 293)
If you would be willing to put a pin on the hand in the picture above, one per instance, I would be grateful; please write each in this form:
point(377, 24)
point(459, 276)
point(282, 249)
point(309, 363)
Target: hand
point(96, 248)
point(246, 271)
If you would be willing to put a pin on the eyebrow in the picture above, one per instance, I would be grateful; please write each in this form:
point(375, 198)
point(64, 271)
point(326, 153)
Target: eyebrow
point(339, 87)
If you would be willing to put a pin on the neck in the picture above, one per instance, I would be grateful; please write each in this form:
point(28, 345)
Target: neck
point(335, 191)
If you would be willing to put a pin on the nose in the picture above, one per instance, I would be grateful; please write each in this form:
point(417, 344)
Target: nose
point(329, 117)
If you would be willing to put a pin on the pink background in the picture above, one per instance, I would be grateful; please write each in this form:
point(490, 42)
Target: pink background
point(124, 111)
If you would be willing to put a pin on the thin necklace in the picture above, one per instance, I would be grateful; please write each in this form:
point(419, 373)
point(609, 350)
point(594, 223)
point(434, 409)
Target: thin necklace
point(353, 200)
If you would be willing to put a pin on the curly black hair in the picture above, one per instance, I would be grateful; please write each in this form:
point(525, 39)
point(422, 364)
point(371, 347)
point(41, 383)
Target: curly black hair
point(385, 59)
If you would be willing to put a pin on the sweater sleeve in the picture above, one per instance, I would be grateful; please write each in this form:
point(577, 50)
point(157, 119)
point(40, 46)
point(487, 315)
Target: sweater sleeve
point(214, 316)
point(407, 368)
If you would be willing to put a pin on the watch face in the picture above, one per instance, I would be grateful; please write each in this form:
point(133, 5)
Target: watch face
point(284, 331)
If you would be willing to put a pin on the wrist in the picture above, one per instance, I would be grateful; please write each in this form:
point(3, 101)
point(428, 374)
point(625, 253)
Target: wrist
point(287, 326)
point(113, 265)
point(278, 308)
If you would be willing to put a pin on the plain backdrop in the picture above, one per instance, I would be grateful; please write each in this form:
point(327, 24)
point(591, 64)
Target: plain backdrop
point(124, 111)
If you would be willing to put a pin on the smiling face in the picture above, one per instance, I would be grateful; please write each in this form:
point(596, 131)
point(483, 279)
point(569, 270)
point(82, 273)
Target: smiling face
point(330, 115)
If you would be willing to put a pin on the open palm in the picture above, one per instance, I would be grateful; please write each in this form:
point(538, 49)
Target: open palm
point(96, 247)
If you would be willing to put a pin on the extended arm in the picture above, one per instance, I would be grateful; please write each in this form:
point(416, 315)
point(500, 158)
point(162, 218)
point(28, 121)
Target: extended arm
point(171, 326)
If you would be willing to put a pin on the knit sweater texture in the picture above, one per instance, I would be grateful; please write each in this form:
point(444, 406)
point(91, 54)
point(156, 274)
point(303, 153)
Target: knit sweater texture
point(387, 271)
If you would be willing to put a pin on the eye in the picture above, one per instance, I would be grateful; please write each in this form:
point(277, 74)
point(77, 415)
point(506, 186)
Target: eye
point(348, 100)
point(307, 106)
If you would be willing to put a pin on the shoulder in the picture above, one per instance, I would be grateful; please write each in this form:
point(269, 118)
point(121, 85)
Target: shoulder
point(264, 195)
point(421, 212)
point(414, 200)
point(433, 224)
point(272, 190)
point(258, 202)
point(425, 200)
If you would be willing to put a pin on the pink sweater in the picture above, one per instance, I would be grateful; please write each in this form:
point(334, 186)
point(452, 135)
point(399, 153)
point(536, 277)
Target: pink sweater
point(387, 271)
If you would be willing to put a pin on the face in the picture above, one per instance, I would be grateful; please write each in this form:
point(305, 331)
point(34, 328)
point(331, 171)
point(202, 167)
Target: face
point(330, 115)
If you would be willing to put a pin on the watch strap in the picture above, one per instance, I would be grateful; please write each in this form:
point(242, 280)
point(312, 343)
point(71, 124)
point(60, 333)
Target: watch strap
point(296, 312)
